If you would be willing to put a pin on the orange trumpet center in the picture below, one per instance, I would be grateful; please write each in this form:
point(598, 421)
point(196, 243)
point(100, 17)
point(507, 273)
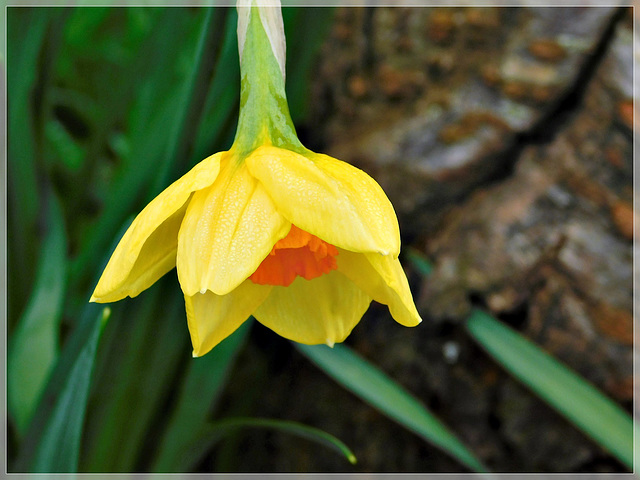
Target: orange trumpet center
point(297, 254)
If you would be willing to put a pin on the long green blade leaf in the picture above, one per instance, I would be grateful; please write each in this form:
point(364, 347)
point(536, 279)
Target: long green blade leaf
point(419, 261)
point(591, 411)
point(23, 195)
point(34, 344)
point(217, 125)
point(58, 448)
point(205, 380)
point(141, 355)
point(212, 433)
point(377, 389)
point(194, 88)
point(77, 342)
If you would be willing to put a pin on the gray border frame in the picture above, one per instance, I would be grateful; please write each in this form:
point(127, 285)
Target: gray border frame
point(316, 3)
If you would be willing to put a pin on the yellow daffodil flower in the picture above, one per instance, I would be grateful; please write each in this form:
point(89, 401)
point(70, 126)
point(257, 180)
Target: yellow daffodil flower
point(301, 241)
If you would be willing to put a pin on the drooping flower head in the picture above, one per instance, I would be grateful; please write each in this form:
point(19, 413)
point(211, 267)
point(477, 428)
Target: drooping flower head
point(300, 240)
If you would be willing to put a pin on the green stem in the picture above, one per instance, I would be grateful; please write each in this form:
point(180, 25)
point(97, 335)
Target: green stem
point(264, 113)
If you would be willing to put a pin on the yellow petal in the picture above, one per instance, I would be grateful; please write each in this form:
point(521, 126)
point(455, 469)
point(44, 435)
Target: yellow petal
point(229, 228)
point(328, 198)
point(147, 250)
point(212, 318)
point(383, 278)
point(156, 257)
point(322, 310)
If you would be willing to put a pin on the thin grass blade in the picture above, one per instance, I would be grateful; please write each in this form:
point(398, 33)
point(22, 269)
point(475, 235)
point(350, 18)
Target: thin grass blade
point(33, 347)
point(374, 387)
point(205, 380)
point(213, 433)
point(140, 358)
point(77, 342)
point(194, 89)
point(419, 261)
point(585, 406)
point(220, 113)
point(23, 195)
point(58, 446)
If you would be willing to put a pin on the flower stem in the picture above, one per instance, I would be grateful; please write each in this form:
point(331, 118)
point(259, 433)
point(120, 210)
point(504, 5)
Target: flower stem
point(264, 113)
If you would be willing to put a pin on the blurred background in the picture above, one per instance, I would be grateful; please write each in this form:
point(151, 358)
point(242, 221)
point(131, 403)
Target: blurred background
point(503, 137)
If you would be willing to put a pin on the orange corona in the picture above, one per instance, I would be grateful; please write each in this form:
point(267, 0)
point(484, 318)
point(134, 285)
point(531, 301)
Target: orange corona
point(297, 254)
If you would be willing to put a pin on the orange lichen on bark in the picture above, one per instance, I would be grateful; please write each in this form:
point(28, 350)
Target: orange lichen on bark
point(297, 254)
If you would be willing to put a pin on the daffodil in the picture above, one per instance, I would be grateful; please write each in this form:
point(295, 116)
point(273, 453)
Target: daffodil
point(300, 240)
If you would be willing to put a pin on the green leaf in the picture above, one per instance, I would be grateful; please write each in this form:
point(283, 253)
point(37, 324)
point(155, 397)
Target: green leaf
point(24, 48)
point(419, 261)
point(70, 153)
point(217, 126)
point(142, 353)
point(83, 23)
point(205, 380)
point(194, 88)
point(58, 445)
point(374, 387)
point(213, 433)
point(24, 45)
point(75, 344)
point(572, 396)
point(33, 347)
